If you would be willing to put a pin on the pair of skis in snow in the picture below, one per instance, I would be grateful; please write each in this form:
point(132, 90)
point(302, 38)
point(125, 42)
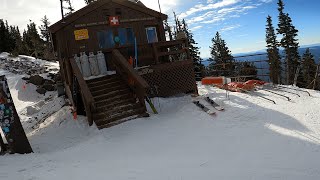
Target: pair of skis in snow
point(206, 109)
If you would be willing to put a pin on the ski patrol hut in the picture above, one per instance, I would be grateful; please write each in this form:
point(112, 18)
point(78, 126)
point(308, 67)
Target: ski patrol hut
point(113, 54)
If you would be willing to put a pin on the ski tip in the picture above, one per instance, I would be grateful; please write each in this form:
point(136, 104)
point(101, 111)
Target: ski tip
point(212, 113)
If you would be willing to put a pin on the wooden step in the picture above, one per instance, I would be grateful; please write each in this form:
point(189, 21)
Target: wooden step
point(104, 81)
point(102, 102)
point(112, 94)
point(114, 123)
point(97, 92)
point(120, 102)
point(102, 78)
point(103, 123)
point(97, 87)
point(116, 110)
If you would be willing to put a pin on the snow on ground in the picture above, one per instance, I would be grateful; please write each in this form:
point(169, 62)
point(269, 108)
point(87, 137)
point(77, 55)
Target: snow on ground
point(251, 139)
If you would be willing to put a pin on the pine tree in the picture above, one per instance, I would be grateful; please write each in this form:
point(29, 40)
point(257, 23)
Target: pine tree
point(247, 69)
point(309, 67)
point(45, 35)
point(273, 52)
point(288, 42)
point(6, 40)
point(2, 36)
point(178, 23)
point(33, 43)
point(194, 50)
point(18, 48)
point(221, 59)
point(168, 29)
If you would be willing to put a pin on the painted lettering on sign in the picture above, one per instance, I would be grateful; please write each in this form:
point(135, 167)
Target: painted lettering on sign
point(81, 34)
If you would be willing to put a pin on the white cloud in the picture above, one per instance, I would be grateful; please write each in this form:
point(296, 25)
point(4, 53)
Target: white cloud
point(166, 5)
point(195, 28)
point(266, 1)
point(210, 6)
point(20, 12)
point(229, 28)
point(220, 15)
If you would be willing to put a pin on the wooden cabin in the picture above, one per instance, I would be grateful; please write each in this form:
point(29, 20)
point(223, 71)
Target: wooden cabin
point(123, 30)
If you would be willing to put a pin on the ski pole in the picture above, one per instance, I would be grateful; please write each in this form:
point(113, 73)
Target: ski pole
point(259, 96)
point(277, 94)
point(294, 89)
point(288, 92)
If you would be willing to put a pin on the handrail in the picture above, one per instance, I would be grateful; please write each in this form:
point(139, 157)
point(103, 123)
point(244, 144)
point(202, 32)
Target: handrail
point(126, 71)
point(87, 97)
point(170, 48)
point(170, 43)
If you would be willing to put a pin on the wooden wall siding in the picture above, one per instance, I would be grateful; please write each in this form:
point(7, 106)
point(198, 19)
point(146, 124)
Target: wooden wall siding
point(171, 79)
point(91, 45)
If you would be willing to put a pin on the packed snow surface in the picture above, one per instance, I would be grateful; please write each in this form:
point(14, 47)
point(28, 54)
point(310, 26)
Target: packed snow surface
point(252, 139)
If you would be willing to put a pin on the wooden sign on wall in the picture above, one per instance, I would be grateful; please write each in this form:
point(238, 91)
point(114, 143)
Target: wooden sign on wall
point(17, 141)
point(81, 34)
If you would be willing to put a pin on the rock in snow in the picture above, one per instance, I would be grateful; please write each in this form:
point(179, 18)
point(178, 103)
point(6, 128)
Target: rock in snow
point(41, 90)
point(37, 80)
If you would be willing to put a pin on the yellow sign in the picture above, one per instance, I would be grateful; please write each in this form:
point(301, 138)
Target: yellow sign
point(81, 34)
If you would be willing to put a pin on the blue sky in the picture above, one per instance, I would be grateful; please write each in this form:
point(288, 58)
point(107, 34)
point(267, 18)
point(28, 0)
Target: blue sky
point(241, 22)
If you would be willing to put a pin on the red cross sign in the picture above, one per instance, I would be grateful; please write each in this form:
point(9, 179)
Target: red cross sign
point(114, 20)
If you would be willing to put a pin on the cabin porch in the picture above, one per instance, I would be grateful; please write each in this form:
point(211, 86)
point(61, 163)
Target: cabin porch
point(162, 69)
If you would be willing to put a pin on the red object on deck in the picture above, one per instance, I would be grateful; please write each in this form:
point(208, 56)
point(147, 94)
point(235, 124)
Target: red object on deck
point(238, 86)
point(255, 82)
point(213, 80)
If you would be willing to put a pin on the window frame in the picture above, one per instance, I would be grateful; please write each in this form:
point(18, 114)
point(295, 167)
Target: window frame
point(156, 34)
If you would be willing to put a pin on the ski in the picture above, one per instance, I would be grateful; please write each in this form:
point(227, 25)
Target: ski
point(204, 108)
point(214, 104)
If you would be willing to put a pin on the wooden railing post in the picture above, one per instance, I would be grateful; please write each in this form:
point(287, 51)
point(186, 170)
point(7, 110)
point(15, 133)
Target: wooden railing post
point(86, 95)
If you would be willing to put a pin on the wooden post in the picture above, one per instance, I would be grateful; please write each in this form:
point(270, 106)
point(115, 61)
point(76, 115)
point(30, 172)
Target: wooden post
point(61, 6)
point(316, 77)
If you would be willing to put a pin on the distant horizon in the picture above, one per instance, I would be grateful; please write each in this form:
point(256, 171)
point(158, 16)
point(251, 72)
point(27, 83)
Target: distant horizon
point(262, 50)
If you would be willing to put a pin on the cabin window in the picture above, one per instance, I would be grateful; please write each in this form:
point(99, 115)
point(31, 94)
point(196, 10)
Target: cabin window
point(118, 11)
point(106, 39)
point(126, 36)
point(105, 13)
point(152, 34)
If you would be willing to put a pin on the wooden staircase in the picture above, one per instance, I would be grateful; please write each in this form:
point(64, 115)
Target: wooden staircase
point(111, 100)
point(114, 101)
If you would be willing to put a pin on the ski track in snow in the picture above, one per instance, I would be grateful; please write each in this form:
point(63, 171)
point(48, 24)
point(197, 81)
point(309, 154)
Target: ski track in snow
point(251, 139)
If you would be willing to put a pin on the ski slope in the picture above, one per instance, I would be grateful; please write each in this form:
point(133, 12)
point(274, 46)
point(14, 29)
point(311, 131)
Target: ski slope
point(251, 139)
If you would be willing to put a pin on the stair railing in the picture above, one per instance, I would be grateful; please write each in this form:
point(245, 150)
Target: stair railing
point(123, 68)
point(86, 95)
